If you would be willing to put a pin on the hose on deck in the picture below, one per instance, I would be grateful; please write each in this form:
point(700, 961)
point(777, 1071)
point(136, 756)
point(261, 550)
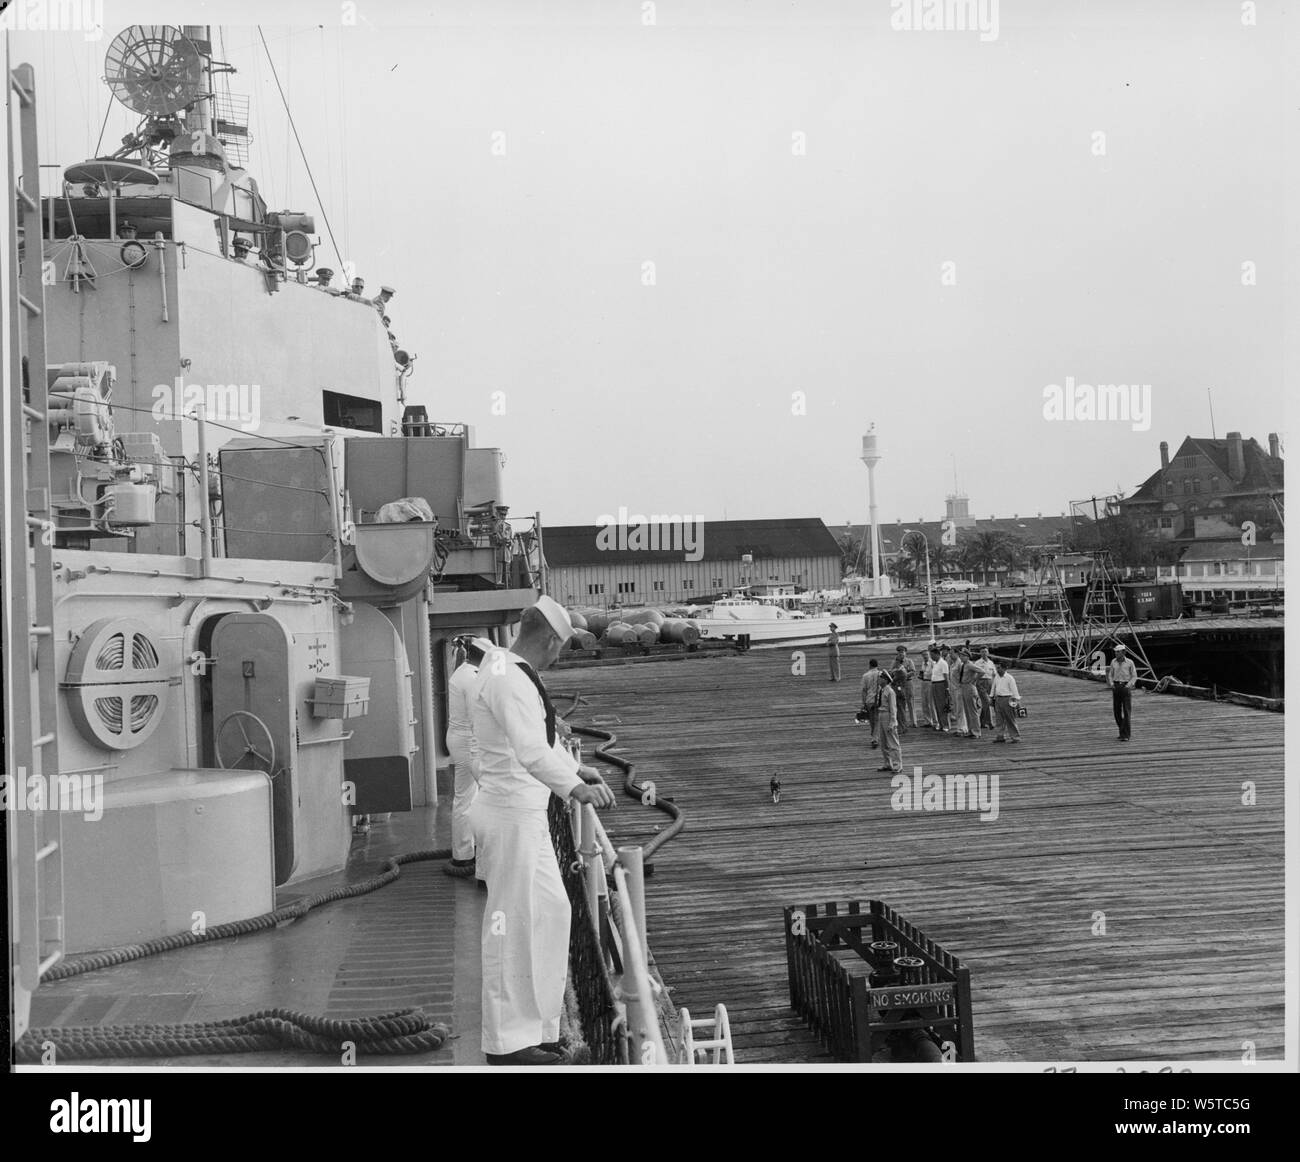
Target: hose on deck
point(282, 915)
point(647, 795)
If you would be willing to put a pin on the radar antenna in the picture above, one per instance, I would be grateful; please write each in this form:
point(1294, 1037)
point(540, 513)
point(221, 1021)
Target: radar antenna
point(154, 69)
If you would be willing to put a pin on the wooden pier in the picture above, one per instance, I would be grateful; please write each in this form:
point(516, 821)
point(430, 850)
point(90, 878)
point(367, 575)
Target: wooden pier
point(1125, 904)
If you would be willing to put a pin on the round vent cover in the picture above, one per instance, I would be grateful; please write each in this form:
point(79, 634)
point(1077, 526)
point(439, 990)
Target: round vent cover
point(117, 690)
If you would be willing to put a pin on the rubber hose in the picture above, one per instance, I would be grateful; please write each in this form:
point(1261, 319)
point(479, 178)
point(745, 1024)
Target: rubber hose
point(631, 787)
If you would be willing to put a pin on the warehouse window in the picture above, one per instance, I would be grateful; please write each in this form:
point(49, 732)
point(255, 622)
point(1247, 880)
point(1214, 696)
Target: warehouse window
point(658, 586)
point(717, 582)
point(592, 590)
point(1166, 522)
point(627, 586)
point(688, 584)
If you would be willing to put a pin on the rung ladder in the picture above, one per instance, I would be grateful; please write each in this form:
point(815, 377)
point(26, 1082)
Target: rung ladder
point(35, 836)
point(719, 1044)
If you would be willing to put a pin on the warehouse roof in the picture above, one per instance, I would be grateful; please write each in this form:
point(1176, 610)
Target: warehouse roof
point(718, 540)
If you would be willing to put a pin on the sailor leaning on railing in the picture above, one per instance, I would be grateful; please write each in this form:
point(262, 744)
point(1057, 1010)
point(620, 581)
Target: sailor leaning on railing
point(520, 763)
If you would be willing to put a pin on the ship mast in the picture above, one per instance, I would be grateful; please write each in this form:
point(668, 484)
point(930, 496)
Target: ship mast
point(199, 116)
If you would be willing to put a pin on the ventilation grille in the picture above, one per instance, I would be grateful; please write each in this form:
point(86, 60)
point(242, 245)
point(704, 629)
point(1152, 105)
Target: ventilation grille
point(116, 684)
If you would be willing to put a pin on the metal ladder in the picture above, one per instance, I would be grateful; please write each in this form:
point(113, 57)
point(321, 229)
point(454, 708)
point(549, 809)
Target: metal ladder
point(719, 1044)
point(1048, 615)
point(1105, 619)
point(31, 710)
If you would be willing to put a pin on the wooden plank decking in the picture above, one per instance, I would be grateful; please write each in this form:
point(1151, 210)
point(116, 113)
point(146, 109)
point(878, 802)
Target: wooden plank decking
point(1152, 833)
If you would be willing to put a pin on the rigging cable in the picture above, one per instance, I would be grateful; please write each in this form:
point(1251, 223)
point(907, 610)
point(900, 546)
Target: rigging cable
point(310, 176)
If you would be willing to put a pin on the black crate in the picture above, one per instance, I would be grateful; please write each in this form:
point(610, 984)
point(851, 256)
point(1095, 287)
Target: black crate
point(848, 993)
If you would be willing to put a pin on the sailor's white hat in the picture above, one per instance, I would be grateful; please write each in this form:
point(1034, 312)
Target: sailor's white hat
point(556, 616)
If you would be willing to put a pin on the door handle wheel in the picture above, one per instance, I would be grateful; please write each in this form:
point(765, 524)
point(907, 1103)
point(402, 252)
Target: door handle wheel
point(249, 739)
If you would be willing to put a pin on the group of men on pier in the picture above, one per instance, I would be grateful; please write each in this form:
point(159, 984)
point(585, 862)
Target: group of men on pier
point(961, 692)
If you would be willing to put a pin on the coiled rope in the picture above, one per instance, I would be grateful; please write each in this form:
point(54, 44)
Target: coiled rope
point(407, 1031)
point(404, 1031)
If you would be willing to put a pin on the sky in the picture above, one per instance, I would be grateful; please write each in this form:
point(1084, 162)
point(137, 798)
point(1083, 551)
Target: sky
point(678, 257)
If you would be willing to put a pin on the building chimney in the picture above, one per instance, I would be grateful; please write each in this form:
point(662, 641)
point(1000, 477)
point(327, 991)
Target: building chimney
point(1164, 455)
point(1236, 457)
point(1274, 447)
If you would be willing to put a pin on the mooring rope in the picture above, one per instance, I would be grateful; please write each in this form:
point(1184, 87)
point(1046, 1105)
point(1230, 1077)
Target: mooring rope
point(405, 1031)
point(408, 1031)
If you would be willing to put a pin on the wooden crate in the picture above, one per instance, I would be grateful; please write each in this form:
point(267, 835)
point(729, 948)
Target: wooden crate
point(842, 988)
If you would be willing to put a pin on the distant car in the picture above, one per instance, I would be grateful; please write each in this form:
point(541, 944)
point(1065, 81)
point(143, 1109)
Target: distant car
point(1017, 582)
point(953, 585)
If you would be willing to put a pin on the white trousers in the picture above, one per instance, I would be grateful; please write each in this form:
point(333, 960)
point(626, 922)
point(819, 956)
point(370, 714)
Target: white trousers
point(525, 927)
point(462, 833)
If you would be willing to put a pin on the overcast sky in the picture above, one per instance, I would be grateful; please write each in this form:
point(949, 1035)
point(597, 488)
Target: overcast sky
point(798, 174)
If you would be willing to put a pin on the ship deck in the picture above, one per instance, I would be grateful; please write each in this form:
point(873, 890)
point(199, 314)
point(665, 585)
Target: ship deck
point(1153, 834)
point(411, 944)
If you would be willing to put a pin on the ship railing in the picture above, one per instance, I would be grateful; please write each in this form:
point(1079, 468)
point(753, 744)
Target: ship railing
point(609, 955)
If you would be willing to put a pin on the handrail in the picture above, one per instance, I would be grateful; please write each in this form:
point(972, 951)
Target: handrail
point(624, 946)
point(625, 943)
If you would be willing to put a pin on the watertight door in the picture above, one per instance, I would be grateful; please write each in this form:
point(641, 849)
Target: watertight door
point(253, 716)
point(377, 758)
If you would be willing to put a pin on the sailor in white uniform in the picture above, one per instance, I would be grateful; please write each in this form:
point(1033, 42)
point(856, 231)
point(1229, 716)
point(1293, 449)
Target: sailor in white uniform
point(463, 748)
point(526, 919)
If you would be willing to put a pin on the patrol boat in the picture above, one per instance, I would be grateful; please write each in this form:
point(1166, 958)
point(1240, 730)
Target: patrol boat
point(246, 552)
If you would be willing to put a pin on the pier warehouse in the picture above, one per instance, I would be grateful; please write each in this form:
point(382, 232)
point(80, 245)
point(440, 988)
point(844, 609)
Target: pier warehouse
point(596, 565)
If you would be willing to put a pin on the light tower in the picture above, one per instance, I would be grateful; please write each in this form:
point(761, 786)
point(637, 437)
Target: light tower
point(871, 457)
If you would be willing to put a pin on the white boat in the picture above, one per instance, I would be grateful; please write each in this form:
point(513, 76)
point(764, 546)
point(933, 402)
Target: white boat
point(762, 619)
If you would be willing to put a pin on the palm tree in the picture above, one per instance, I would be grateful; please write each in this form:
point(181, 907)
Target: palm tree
point(944, 557)
point(915, 546)
point(987, 550)
point(903, 571)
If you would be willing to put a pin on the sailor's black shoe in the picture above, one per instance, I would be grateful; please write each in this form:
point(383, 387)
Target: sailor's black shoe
point(533, 1055)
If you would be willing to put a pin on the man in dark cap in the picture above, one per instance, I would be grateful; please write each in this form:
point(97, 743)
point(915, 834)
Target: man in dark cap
point(939, 689)
point(902, 674)
point(970, 697)
point(833, 651)
point(891, 751)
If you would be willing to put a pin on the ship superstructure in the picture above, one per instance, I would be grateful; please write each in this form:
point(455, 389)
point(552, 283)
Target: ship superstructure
point(247, 551)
